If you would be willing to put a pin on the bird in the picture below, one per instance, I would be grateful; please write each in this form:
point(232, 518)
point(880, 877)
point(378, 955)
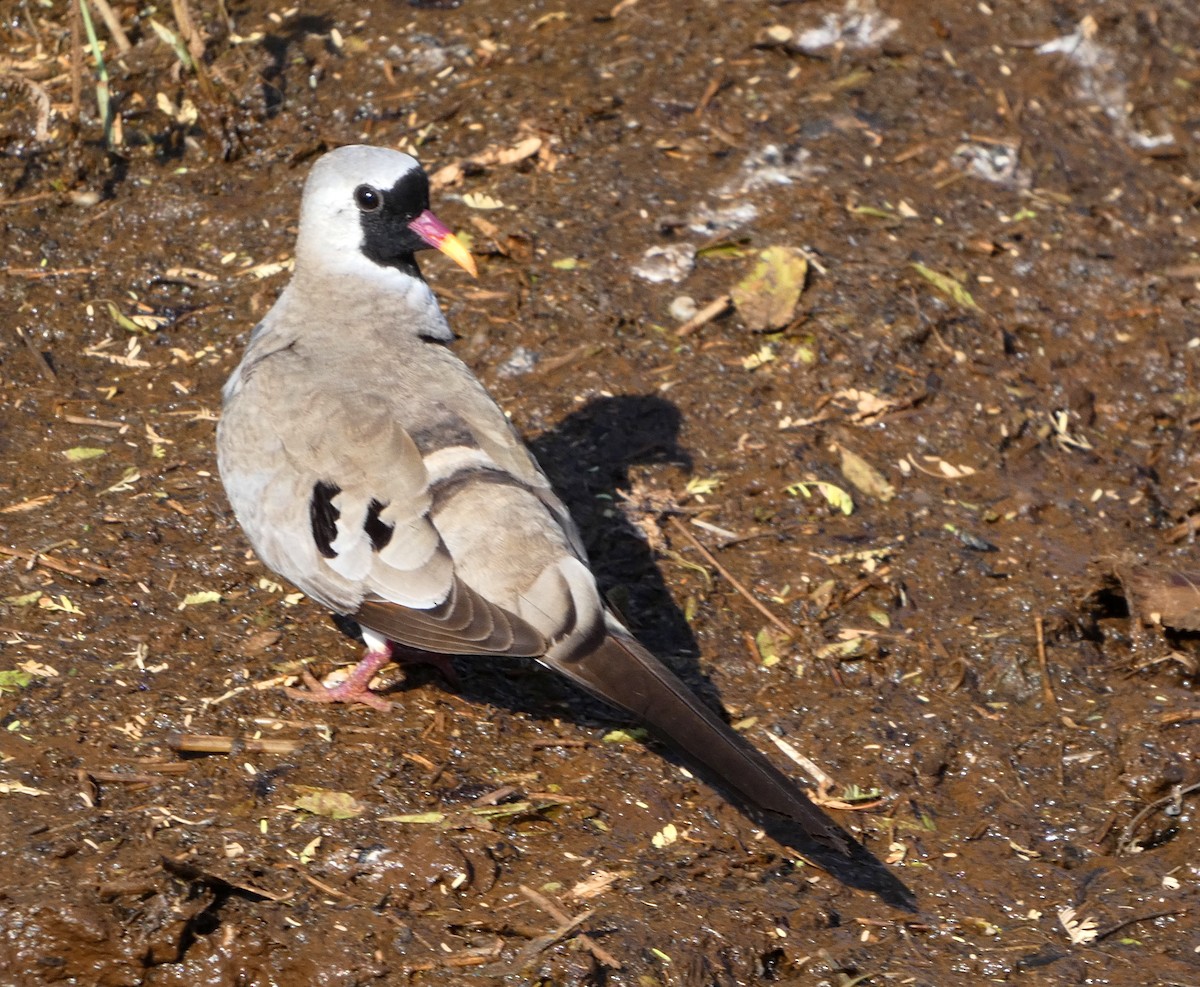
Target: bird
point(368, 465)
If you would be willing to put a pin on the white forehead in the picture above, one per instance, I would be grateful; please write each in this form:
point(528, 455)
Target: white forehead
point(358, 164)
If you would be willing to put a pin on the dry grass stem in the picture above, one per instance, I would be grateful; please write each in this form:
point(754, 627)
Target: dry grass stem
point(201, 743)
point(1047, 688)
point(713, 310)
point(567, 925)
point(113, 24)
point(787, 629)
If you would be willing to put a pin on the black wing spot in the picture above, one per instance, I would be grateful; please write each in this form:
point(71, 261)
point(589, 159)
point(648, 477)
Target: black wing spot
point(449, 430)
point(379, 531)
point(324, 516)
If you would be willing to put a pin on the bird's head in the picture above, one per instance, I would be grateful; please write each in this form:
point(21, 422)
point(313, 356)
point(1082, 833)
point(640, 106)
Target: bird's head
point(368, 207)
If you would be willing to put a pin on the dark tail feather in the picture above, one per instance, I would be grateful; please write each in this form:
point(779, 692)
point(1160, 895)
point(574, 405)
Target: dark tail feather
point(625, 674)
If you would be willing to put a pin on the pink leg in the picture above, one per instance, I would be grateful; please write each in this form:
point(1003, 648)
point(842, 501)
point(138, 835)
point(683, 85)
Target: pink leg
point(355, 688)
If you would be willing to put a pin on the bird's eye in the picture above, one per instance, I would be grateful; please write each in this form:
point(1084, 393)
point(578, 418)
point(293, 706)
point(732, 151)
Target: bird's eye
point(367, 199)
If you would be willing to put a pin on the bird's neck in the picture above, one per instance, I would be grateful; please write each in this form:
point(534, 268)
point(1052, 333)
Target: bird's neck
point(362, 295)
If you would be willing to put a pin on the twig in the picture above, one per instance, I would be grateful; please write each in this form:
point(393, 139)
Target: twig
point(113, 24)
point(1105, 933)
point(1047, 689)
point(195, 45)
point(98, 422)
point(1187, 528)
point(566, 927)
point(124, 778)
point(190, 872)
point(825, 783)
point(39, 357)
point(40, 273)
point(1176, 797)
point(76, 64)
point(1178, 716)
point(49, 562)
point(711, 90)
point(334, 892)
point(790, 631)
point(477, 956)
point(22, 200)
point(203, 743)
point(712, 310)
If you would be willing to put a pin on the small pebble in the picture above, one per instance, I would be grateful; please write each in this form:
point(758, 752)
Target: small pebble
point(521, 362)
point(683, 308)
point(671, 263)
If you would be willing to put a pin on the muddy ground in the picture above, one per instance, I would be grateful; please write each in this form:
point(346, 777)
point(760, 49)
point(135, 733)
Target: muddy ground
point(992, 654)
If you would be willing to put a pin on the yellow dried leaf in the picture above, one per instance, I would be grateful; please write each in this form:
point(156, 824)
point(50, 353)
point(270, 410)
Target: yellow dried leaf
point(12, 679)
point(765, 354)
point(203, 596)
point(625, 736)
point(947, 286)
point(865, 477)
point(767, 643)
point(62, 604)
point(837, 497)
point(699, 486)
point(665, 836)
point(81, 454)
point(24, 600)
point(325, 802)
point(121, 319)
point(767, 297)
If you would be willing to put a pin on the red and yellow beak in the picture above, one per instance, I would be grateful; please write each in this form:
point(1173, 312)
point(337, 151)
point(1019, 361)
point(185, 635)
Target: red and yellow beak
point(435, 233)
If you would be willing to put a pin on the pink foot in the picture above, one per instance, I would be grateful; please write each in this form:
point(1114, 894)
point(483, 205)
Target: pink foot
point(354, 689)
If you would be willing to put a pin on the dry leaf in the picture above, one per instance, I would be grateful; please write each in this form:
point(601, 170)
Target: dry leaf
point(481, 200)
point(597, 884)
point(1080, 931)
point(195, 599)
point(1163, 595)
point(81, 453)
point(526, 149)
point(767, 642)
point(947, 286)
point(867, 406)
point(864, 476)
point(665, 836)
point(837, 497)
point(17, 788)
point(324, 802)
point(767, 297)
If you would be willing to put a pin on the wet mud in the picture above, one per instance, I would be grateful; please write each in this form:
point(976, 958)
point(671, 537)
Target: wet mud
point(933, 527)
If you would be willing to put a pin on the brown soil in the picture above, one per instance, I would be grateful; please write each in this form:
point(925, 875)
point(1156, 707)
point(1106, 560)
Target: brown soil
point(1005, 650)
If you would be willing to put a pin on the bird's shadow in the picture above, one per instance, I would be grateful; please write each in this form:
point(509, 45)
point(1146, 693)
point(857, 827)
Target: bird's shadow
point(588, 457)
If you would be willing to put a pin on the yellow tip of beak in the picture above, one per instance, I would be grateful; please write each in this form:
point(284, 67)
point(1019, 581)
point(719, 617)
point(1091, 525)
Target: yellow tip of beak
point(453, 248)
point(435, 233)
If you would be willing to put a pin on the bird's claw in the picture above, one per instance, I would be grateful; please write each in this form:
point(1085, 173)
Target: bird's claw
point(352, 690)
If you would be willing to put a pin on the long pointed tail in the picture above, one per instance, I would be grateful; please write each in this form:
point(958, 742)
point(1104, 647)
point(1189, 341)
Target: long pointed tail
point(625, 674)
